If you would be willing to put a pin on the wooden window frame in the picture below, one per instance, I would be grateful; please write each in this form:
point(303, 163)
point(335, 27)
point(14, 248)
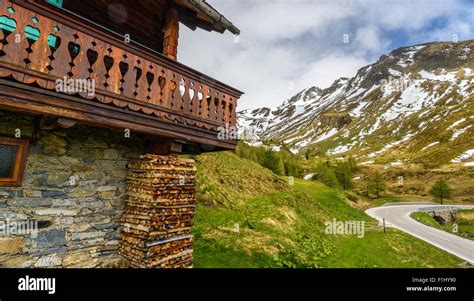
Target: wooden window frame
point(20, 161)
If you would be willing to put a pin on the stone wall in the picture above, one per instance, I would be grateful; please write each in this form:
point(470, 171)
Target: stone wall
point(443, 216)
point(73, 187)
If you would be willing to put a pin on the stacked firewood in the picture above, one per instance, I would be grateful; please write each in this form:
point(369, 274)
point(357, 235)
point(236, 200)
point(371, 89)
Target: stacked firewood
point(156, 226)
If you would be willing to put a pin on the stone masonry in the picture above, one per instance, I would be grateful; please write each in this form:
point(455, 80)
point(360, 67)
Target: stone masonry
point(73, 189)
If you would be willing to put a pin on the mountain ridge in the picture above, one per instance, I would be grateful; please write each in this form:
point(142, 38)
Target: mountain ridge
point(415, 101)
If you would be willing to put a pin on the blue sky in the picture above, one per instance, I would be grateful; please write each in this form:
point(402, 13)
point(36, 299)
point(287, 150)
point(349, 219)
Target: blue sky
point(289, 45)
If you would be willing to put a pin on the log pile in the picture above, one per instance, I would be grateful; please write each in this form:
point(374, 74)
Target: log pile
point(156, 226)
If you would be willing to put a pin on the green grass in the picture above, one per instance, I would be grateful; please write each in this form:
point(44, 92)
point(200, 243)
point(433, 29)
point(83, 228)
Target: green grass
point(394, 249)
point(426, 219)
point(466, 231)
point(464, 222)
point(285, 227)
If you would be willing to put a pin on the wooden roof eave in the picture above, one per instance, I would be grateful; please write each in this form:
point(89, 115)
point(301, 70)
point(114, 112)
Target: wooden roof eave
point(206, 17)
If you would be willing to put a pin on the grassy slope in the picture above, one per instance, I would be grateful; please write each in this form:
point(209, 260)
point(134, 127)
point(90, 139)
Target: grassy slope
point(464, 223)
point(282, 226)
point(426, 219)
point(418, 181)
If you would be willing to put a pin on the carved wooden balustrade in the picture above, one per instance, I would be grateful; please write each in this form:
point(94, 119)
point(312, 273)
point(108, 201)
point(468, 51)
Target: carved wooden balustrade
point(40, 46)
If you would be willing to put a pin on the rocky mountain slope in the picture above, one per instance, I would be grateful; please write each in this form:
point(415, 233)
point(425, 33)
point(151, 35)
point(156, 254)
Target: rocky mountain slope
point(415, 104)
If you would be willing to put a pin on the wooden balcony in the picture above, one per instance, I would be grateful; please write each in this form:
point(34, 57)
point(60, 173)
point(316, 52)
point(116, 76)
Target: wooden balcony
point(135, 88)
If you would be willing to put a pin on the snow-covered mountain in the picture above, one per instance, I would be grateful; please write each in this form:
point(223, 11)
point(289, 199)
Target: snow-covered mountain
point(415, 104)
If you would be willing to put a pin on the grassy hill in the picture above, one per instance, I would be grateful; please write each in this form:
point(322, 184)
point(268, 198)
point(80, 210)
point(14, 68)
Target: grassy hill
point(247, 217)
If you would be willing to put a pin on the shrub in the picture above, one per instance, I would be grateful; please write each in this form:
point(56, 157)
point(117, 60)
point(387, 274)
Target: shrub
point(376, 185)
point(282, 162)
point(344, 173)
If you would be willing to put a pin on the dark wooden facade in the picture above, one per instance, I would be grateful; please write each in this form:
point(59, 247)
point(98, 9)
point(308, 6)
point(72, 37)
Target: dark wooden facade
point(137, 87)
point(142, 20)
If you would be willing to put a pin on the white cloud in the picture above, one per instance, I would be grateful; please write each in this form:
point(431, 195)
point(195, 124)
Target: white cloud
point(369, 39)
point(323, 72)
point(458, 30)
point(271, 21)
point(302, 41)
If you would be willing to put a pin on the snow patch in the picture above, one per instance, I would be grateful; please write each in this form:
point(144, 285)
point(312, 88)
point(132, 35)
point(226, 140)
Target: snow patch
point(405, 62)
point(430, 145)
point(327, 135)
point(274, 148)
point(460, 132)
point(466, 155)
point(358, 111)
point(389, 146)
point(339, 150)
point(456, 123)
point(395, 73)
point(411, 100)
point(447, 77)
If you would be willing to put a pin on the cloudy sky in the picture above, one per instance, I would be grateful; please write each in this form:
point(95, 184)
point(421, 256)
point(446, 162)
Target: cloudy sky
point(289, 45)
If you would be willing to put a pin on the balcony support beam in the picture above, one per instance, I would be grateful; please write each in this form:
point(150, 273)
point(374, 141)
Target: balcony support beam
point(170, 47)
point(164, 147)
point(18, 97)
point(52, 123)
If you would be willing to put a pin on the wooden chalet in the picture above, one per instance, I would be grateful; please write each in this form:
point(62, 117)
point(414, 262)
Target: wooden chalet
point(129, 49)
point(94, 110)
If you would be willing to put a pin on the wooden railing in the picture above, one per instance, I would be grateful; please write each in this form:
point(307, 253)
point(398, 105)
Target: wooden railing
point(40, 47)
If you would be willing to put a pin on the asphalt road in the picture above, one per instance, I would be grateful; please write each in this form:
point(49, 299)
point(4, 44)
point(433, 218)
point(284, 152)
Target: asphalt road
point(398, 216)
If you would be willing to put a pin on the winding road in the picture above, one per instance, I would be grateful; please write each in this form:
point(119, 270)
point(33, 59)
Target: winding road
point(398, 216)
